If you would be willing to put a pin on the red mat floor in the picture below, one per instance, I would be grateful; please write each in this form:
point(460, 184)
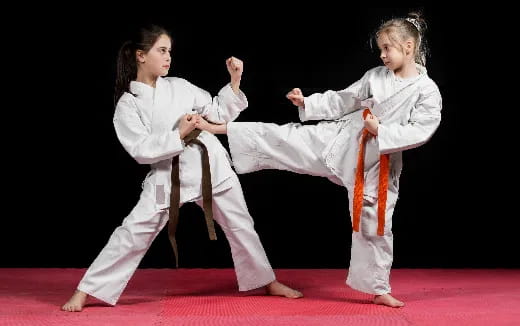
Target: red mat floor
point(489, 297)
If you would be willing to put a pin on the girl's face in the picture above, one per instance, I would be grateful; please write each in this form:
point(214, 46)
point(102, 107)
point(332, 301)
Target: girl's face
point(393, 55)
point(157, 60)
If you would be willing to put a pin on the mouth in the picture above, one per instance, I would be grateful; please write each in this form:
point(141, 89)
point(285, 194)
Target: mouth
point(166, 66)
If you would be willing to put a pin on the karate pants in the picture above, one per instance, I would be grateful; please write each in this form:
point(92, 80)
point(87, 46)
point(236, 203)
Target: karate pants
point(110, 272)
point(299, 148)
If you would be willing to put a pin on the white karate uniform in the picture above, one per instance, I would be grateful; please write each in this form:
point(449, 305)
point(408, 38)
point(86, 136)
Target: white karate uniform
point(146, 125)
point(409, 113)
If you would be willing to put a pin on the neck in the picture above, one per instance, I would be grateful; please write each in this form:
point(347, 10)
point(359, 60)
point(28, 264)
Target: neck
point(407, 71)
point(146, 78)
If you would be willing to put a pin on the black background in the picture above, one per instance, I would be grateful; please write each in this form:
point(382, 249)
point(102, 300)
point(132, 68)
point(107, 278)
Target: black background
point(69, 182)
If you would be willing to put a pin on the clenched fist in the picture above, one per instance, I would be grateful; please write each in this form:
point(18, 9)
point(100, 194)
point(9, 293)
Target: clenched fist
point(235, 68)
point(187, 124)
point(371, 124)
point(296, 97)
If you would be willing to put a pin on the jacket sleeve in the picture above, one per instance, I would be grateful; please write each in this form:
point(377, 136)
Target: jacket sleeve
point(424, 120)
point(333, 105)
point(143, 146)
point(224, 107)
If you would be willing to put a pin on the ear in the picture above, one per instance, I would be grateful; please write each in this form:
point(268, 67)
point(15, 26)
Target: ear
point(409, 46)
point(140, 56)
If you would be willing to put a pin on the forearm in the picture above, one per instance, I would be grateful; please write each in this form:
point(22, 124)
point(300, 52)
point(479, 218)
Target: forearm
point(235, 85)
point(330, 105)
point(400, 138)
point(152, 149)
point(218, 128)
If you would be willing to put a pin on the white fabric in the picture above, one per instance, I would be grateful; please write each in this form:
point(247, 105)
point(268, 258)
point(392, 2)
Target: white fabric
point(108, 275)
point(146, 124)
point(409, 113)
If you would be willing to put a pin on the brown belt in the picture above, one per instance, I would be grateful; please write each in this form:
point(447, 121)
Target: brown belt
point(191, 138)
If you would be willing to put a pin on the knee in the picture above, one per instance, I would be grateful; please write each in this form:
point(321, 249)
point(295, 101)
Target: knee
point(242, 224)
point(136, 236)
point(127, 239)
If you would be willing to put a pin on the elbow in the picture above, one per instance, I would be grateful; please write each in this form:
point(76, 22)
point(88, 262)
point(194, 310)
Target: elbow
point(391, 143)
point(144, 157)
point(151, 158)
point(227, 117)
point(141, 159)
point(394, 148)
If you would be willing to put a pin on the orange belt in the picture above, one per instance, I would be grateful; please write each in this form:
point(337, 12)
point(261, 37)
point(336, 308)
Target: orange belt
point(384, 168)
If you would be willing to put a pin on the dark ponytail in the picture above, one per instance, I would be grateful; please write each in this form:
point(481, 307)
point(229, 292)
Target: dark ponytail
point(126, 69)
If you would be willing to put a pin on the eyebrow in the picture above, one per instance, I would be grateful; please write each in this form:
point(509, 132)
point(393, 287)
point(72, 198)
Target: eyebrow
point(164, 47)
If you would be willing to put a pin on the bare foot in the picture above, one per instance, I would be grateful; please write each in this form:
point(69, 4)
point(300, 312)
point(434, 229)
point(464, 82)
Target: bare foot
point(277, 288)
point(388, 300)
point(76, 302)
